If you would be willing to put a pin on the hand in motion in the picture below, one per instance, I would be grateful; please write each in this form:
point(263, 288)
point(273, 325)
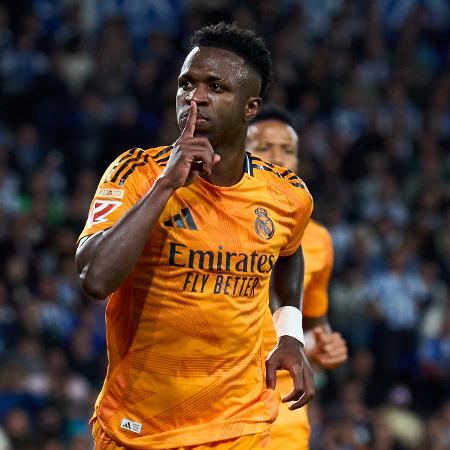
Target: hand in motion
point(289, 354)
point(330, 350)
point(191, 156)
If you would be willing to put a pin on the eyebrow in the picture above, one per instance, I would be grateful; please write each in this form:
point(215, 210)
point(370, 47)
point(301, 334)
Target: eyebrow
point(209, 78)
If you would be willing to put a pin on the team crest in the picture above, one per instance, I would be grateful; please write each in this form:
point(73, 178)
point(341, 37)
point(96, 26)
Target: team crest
point(264, 225)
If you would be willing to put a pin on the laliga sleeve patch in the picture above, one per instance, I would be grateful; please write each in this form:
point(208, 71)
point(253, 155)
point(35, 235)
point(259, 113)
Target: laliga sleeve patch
point(114, 193)
point(101, 209)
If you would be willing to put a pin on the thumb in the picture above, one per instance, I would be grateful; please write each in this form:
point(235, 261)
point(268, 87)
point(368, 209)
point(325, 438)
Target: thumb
point(189, 128)
point(319, 335)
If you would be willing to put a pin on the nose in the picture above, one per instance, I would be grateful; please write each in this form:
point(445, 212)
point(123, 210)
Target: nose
point(276, 155)
point(199, 95)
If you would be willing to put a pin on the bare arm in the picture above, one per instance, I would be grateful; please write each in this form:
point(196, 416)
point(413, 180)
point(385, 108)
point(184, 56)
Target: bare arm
point(309, 323)
point(287, 281)
point(105, 260)
point(324, 346)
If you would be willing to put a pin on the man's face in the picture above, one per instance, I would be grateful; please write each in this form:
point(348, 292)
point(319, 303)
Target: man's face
point(274, 141)
point(220, 83)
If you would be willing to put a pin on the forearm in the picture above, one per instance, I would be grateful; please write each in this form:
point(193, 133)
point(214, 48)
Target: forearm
point(104, 263)
point(309, 323)
point(287, 281)
point(286, 302)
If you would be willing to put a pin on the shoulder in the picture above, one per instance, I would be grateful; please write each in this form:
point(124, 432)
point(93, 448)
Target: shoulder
point(136, 161)
point(319, 233)
point(318, 239)
point(278, 178)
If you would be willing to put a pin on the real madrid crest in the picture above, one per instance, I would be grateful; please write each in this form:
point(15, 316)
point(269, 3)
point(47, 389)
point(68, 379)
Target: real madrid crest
point(264, 225)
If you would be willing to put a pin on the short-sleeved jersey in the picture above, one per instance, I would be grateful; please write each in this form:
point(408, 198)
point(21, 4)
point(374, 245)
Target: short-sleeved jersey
point(185, 329)
point(318, 254)
point(291, 428)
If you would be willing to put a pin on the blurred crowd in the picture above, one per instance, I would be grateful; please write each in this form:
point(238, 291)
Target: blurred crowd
point(368, 84)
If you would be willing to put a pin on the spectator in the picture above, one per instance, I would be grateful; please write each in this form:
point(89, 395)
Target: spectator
point(396, 297)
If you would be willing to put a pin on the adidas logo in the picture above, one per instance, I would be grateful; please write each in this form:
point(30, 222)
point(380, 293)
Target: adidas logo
point(182, 220)
point(129, 425)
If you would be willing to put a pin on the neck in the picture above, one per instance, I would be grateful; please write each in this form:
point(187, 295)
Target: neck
point(230, 169)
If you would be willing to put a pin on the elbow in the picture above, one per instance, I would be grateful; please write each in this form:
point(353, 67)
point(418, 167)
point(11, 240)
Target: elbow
point(93, 285)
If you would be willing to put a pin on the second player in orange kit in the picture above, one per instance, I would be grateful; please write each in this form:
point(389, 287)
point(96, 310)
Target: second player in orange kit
point(272, 137)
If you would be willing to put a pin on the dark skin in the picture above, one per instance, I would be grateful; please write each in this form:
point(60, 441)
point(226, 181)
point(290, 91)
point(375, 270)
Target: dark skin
point(218, 95)
point(287, 283)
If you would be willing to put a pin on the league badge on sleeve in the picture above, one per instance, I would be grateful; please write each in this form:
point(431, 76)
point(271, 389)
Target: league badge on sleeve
point(100, 210)
point(111, 193)
point(264, 225)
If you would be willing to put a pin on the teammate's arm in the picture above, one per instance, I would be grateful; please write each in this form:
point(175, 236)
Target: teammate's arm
point(105, 260)
point(287, 282)
point(324, 346)
point(328, 348)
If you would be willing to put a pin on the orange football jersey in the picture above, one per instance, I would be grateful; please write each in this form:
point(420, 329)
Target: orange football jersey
point(185, 329)
point(291, 429)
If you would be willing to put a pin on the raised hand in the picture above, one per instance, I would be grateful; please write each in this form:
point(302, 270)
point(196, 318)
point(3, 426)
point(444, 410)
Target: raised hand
point(330, 350)
point(191, 156)
point(289, 355)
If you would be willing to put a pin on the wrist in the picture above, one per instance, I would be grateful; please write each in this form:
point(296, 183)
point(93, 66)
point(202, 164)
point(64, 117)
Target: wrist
point(287, 321)
point(286, 339)
point(164, 184)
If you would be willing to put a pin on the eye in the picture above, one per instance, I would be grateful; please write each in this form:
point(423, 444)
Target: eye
point(262, 149)
point(216, 87)
point(185, 85)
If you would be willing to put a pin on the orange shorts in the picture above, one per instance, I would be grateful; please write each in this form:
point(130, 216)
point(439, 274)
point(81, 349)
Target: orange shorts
point(249, 442)
point(291, 430)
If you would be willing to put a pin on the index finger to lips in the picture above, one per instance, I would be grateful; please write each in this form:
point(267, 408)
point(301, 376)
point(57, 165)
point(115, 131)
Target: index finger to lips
point(189, 128)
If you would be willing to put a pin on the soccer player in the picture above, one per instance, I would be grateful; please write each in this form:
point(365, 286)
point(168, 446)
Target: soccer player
point(183, 240)
point(272, 137)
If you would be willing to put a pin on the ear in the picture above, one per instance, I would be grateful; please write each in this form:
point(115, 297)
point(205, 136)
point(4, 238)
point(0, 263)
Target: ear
point(252, 108)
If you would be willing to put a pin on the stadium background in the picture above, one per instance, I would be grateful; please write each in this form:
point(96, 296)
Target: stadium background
point(368, 83)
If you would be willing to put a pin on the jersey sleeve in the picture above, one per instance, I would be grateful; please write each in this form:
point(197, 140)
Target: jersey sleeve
point(315, 301)
point(122, 185)
point(302, 209)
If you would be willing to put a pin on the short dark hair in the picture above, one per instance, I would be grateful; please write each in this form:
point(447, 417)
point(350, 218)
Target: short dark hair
point(244, 43)
point(270, 111)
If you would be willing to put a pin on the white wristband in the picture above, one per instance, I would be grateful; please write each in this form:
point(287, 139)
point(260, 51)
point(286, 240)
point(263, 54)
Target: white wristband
point(287, 321)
